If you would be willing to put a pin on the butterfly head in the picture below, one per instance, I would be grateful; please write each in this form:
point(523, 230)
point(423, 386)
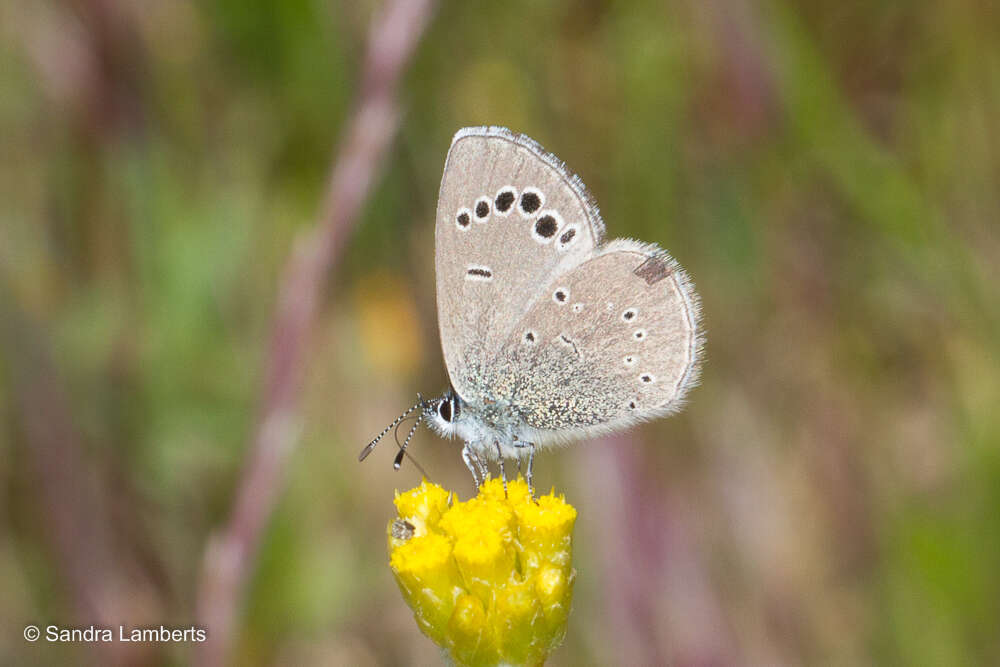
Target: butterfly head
point(443, 413)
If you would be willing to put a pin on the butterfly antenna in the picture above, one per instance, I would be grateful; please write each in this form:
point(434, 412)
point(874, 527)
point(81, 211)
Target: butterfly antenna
point(371, 445)
point(402, 445)
point(402, 450)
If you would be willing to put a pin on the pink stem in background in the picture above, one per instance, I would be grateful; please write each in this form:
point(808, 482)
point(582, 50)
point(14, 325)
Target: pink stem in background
point(659, 602)
point(72, 509)
point(230, 555)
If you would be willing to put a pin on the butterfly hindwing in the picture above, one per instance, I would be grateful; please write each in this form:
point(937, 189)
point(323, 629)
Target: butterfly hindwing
point(616, 340)
point(509, 217)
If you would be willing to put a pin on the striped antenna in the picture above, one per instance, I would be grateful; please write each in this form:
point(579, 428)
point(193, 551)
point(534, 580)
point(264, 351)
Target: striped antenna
point(371, 445)
point(402, 450)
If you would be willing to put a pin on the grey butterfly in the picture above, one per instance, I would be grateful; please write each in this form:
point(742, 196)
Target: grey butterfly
point(549, 333)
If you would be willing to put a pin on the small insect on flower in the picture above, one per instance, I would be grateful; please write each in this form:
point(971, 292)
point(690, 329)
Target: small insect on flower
point(490, 580)
point(537, 310)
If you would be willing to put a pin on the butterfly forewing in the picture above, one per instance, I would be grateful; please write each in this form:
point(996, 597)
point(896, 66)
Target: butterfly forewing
point(615, 341)
point(509, 218)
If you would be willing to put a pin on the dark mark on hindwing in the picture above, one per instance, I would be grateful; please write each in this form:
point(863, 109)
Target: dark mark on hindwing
point(653, 270)
point(569, 341)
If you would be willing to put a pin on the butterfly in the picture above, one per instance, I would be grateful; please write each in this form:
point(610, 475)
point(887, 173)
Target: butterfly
point(549, 333)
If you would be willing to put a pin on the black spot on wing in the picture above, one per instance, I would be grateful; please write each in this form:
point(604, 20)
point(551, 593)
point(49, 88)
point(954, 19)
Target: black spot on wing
point(504, 201)
point(530, 202)
point(546, 226)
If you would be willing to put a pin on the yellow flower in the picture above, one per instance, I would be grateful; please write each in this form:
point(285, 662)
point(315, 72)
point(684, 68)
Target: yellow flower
point(490, 580)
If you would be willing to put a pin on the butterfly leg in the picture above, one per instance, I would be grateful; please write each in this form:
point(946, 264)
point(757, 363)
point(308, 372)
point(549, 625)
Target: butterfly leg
point(475, 468)
point(503, 476)
point(531, 463)
point(531, 469)
point(484, 469)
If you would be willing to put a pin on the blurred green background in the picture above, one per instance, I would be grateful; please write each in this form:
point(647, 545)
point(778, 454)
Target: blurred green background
point(827, 171)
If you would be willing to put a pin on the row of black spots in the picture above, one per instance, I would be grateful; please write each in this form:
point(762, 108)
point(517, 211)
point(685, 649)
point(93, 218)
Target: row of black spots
point(629, 315)
point(630, 360)
point(480, 212)
point(502, 204)
point(545, 227)
point(549, 225)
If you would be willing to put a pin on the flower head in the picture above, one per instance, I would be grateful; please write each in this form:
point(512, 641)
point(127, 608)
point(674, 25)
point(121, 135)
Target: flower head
point(490, 580)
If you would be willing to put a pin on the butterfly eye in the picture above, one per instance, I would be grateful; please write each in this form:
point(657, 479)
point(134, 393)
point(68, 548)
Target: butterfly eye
point(444, 409)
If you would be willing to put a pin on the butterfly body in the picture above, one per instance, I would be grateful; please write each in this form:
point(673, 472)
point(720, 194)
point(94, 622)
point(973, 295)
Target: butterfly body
point(484, 428)
point(549, 334)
